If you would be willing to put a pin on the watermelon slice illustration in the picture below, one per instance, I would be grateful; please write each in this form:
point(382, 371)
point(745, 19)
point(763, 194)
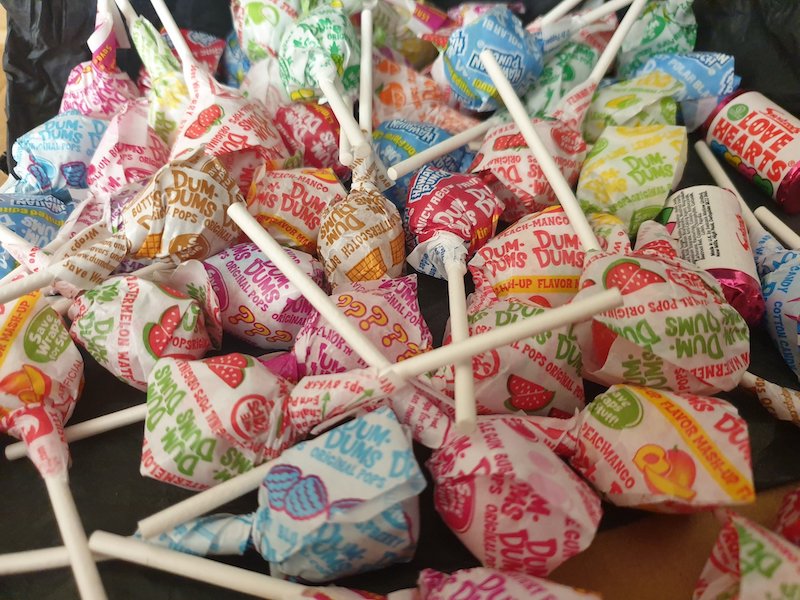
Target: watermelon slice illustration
point(602, 339)
point(230, 368)
point(455, 501)
point(158, 335)
point(661, 247)
point(527, 395)
point(629, 276)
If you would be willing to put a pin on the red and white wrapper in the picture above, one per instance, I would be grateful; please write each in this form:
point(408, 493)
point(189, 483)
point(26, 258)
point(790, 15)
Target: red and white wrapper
point(513, 172)
point(41, 377)
point(205, 48)
point(749, 561)
point(674, 330)
point(311, 129)
point(129, 151)
point(289, 203)
point(257, 302)
point(788, 525)
point(539, 375)
point(260, 25)
point(663, 451)
point(510, 499)
point(128, 324)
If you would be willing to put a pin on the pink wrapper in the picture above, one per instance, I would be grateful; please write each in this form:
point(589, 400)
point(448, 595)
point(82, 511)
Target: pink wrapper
point(257, 303)
point(487, 584)
point(312, 130)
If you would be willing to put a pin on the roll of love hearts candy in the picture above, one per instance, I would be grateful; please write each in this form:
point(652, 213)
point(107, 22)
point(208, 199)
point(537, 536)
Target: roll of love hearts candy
point(257, 303)
point(667, 27)
point(388, 313)
point(183, 211)
point(311, 130)
point(515, 175)
point(348, 499)
point(749, 561)
point(56, 154)
point(631, 171)
point(664, 451)
point(538, 375)
point(675, 330)
point(129, 323)
point(510, 500)
point(288, 203)
point(41, 377)
point(645, 100)
point(361, 238)
point(480, 582)
point(708, 224)
point(130, 151)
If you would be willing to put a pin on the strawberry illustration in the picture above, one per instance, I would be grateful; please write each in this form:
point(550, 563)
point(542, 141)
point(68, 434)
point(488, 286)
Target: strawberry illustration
point(210, 116)
point(196, 131)
point(229, 368)
point(527, 395)
point(506, 142)
point(629, 276)
point(158, 335)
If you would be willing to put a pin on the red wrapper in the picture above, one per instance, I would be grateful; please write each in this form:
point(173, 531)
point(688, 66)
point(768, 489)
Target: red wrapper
point(312, 130)
point(788, 524)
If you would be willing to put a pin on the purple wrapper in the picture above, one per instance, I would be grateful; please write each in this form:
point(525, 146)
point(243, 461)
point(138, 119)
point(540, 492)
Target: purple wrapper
point(788, 195)
point(742, 292)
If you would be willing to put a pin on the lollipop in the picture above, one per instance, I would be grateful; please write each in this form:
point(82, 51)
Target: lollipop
point(311, 130)
point(40, 381)
point(259, 26)
point(785, 234)
point(97, 88)
point(235, 63)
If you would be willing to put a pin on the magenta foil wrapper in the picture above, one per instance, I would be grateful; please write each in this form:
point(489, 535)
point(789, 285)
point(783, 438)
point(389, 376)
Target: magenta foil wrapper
point(788, 195)
point(742, 292)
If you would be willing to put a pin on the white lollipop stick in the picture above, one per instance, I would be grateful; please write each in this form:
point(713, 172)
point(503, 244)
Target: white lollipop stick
point(89, 428)
point(30, 561)
point(464, 386)
point(174, 33)
point(721, 178)
point(90, 586)
point(343, 112)
point(194, 567)
point(551, 171)
point(558, 11)
point(8, 237)
point(614, 44)
point(601, 12)
point(127, 11)
point(416, 161)
point(787, 236)
point(345, 149)
point(365, 75)
point(231, 489)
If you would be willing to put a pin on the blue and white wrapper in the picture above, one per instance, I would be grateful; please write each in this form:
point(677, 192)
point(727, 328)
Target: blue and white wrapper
point(216, 534)
point(235, 63)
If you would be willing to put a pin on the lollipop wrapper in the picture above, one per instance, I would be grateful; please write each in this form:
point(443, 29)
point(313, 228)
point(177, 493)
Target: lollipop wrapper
point(537, 375)
point(631, 171)
point(257, 303)
point(749, 561)
point(129, 151)
point(515, 175)
point(41, 377)
point(782, 403)
point(182, 211)
point(312, 130)
point(288, 204)
point(344, 502)
point(428, 417)
point(674, 330)
point(644, 100)
point(510, 499)
point(664, 451)
point(205, 48)
point(361, 238)
point(450, 215)
point(235, 63)
point(206, 536)
point(788, 524)
point(667, 27)
point(708, 225)
point(56, 154)
point(35, 218)
point(517, 52)
point(480, 582)
point(209, 420)
point(321, 44)
point(263, 83)
point(260, 25)
point(386, 311)
point(128, 324)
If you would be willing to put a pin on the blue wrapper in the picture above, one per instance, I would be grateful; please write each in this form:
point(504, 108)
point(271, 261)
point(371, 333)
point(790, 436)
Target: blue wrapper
point(396, 140)
point(56, 154)
point(206, 536)
point(703, 74)
point(36, 219)
point(235, 63)
point(518, 52)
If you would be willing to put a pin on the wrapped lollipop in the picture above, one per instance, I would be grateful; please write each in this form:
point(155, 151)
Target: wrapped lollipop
point(257, 302)
point(311, 130)
point(205, 48)
point(289, 203)
point(235, 63)
point(259, 26)
point(788, 523)
point(452, 215)
point(97, 88)
point(40, 381)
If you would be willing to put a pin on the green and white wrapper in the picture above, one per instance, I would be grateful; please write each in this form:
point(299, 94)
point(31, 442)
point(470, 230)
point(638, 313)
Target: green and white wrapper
point(260, 25)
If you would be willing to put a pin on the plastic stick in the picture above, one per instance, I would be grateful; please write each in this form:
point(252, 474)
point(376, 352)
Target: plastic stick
point(8, 237)
point(343, 112)
point(558, 11)
point(231, 489)
point(90, 586)
point(416, 161)
point(551, 171)
point(365, 75)
point(194, 567)
point(464, 386)
point(174, 33)
point(721, 178)
point(89, 428)
point(30, 561)
point(614, 44)
point(345, 149)
point(601, 12)
point(787, 236)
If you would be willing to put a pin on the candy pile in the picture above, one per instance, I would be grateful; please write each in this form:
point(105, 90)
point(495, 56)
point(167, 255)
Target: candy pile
point(163, 224)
